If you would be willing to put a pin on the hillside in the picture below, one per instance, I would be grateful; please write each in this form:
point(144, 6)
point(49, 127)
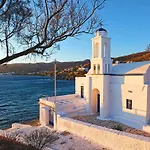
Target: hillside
point(66, 70)
point(23, 69)
point(135, 57)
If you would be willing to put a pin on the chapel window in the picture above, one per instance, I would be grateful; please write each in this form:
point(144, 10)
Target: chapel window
point(105, 68)
point(98, 69)
point(108, 68)
point(96, 50)
point(94, 69)
point(128, 104)
point(105, 49)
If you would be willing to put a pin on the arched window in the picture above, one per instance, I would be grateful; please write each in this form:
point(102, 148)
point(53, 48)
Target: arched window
point(96, 49)
point(105, 68)
point(108, 68)
point(98, 69)
point(94, 68)
point(105, 49)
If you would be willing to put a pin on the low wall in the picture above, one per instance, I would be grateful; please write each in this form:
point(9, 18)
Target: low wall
point(107, 137)
point(19, 125)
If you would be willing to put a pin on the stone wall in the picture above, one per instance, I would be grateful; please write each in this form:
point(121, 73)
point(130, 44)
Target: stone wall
point(109, 138)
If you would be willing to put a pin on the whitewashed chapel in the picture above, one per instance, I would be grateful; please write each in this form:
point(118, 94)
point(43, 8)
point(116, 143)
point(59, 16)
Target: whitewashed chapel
point(119, 92)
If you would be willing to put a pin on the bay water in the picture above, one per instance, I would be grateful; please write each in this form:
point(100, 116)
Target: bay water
point(19, 96)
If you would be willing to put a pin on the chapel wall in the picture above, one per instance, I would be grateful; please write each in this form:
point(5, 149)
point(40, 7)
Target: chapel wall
point(148, 105)
point(123, 88)
point(106, 102)
point(116, 95)
point(134, 79)
point(138, 95)
point(81, 81)
point(147, 76)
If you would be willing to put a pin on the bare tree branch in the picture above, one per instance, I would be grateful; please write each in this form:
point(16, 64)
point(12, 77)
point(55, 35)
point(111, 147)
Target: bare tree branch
point(2, 3)
point(39, 26)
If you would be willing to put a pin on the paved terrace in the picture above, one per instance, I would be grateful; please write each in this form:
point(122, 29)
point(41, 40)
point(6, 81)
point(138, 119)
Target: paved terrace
point(69, 105)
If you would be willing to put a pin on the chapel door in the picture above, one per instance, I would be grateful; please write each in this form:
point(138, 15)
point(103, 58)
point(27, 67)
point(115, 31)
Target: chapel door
point(98, 103)
point(82, 91)
point(51, 117)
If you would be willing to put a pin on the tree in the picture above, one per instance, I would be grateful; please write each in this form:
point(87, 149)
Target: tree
point(37, 26)
point(14, 16)
point(148, 48)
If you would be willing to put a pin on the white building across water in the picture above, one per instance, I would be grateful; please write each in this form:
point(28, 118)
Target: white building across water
point(119, 92)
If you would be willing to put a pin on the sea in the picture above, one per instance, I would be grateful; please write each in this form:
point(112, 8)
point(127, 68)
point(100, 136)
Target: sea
point(19, 96)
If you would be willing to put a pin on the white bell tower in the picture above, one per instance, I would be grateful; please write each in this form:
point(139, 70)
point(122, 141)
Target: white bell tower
point(101, 62)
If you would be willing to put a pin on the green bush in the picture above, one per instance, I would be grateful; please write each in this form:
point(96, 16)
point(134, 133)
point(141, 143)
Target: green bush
point(118, 127)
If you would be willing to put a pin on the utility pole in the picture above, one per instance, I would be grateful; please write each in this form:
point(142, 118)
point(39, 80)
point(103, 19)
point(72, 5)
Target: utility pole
point(55, 114)
point(55, 79)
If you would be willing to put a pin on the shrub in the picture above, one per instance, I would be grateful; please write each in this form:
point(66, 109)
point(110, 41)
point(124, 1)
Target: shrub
point(118, 127)
point(40, 138)
point(10, 144)
point(15, 136)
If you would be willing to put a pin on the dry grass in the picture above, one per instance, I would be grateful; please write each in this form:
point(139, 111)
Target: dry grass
point(65, 133)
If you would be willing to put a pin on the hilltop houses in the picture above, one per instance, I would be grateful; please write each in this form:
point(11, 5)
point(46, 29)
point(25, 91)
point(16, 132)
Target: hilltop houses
point(119, 92)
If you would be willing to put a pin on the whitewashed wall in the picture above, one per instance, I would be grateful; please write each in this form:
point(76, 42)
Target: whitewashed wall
point(109, 138)
point(80, 81)
point(97, 83)
point(41, 113)
point(148, 105)
point(106, 96)
point(116, 95)
point(147, 76)
point(135, 90)
point(134, 80)
point(129, 87)
point(44, 115)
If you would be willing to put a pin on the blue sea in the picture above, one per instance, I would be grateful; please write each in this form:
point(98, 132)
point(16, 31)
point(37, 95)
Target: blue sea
point(19, 96)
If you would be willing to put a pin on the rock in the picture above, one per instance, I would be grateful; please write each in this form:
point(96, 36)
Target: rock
point(62, 142)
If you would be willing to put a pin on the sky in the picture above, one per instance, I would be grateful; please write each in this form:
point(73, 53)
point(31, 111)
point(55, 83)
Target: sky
point(127, 23)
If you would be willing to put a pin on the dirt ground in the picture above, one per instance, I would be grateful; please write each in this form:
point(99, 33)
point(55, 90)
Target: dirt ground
point(69, 141)
point(66, 140)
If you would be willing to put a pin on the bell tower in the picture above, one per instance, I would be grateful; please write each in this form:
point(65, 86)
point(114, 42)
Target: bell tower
point(101, 60)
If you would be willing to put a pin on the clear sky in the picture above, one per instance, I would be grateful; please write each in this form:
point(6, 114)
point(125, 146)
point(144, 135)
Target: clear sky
point(127, 23)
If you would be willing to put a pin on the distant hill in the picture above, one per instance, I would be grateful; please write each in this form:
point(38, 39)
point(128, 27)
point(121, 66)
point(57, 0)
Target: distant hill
point(135, 57)
point(23, 68)
point(38, 68)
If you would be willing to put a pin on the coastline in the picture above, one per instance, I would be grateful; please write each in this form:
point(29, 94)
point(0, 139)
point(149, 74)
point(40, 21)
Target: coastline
point(33, 123)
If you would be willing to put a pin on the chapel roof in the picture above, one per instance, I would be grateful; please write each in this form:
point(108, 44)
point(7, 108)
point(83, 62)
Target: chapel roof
point(130, 68)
